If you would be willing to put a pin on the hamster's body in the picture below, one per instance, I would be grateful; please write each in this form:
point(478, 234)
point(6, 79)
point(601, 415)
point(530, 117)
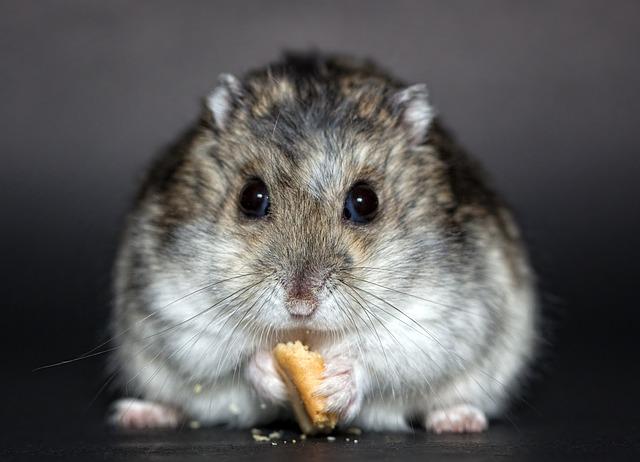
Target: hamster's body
point(421, 300)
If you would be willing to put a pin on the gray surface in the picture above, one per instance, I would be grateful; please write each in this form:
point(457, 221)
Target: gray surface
point(49, 417)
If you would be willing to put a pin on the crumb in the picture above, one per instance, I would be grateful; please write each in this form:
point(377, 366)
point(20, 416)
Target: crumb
point(194, 424)
point(303, 437)
point(354, 431)
point(197, 388)
point(294, 441)
point(346, 439)
point(331, 438)
point(355, 441)
point(233, 408)
point(275, 435)
point(273, 443)
point(260, 438)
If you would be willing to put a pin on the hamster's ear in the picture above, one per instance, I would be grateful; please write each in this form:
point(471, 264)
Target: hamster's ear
point(416, 114)
point(223, 100)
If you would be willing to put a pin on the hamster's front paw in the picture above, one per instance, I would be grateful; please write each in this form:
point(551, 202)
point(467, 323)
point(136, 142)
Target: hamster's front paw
point(262, 374)
point(132, 413)
point(341, 388)
point(457, 419)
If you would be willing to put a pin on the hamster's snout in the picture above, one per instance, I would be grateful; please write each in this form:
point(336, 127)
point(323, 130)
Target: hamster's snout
point(302, 289)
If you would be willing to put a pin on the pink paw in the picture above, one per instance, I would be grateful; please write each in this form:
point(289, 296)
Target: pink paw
point(340, 387)
point(261, 372)
point(132, 413)
point(457, 419)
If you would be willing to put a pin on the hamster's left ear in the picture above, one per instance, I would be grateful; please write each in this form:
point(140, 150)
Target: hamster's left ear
point(223, 100)
point(416, 114)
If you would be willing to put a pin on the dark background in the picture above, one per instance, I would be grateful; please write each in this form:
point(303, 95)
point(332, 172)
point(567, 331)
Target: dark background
point(546, 94)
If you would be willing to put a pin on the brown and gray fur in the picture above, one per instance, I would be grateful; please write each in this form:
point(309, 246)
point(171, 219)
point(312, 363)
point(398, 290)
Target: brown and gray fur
point(428, 311)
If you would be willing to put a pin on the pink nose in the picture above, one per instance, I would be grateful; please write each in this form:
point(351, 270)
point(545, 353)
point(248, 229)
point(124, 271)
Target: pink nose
point(301, 298)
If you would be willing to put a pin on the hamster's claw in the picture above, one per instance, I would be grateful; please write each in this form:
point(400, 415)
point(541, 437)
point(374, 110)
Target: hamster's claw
point(457, 419)
point(129, 413)
point(262, 374)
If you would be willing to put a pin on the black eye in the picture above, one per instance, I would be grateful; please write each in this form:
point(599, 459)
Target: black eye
point(361, 204)
point(254, 199)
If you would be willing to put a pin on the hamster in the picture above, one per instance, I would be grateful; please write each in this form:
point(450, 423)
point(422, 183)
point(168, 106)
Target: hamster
point(320, 199)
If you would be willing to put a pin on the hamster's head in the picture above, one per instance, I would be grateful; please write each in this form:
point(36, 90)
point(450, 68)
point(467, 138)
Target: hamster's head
point(309, 193)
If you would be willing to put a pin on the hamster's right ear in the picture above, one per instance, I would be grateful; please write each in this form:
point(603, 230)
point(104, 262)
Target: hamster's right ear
point(223, 100)
point(415, 111)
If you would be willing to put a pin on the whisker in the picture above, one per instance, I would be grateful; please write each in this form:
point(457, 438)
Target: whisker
point(157, 333)
point(104, 386)
point(373, 330)
point(226, 318)
point(382, 349)
point(444, 305)
point(92, 353)
point(252, 326)
point(360, 343)
point(409, 273)
point(235, 295)
point(389, 332)
point(234, 328)
point(446, 350)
